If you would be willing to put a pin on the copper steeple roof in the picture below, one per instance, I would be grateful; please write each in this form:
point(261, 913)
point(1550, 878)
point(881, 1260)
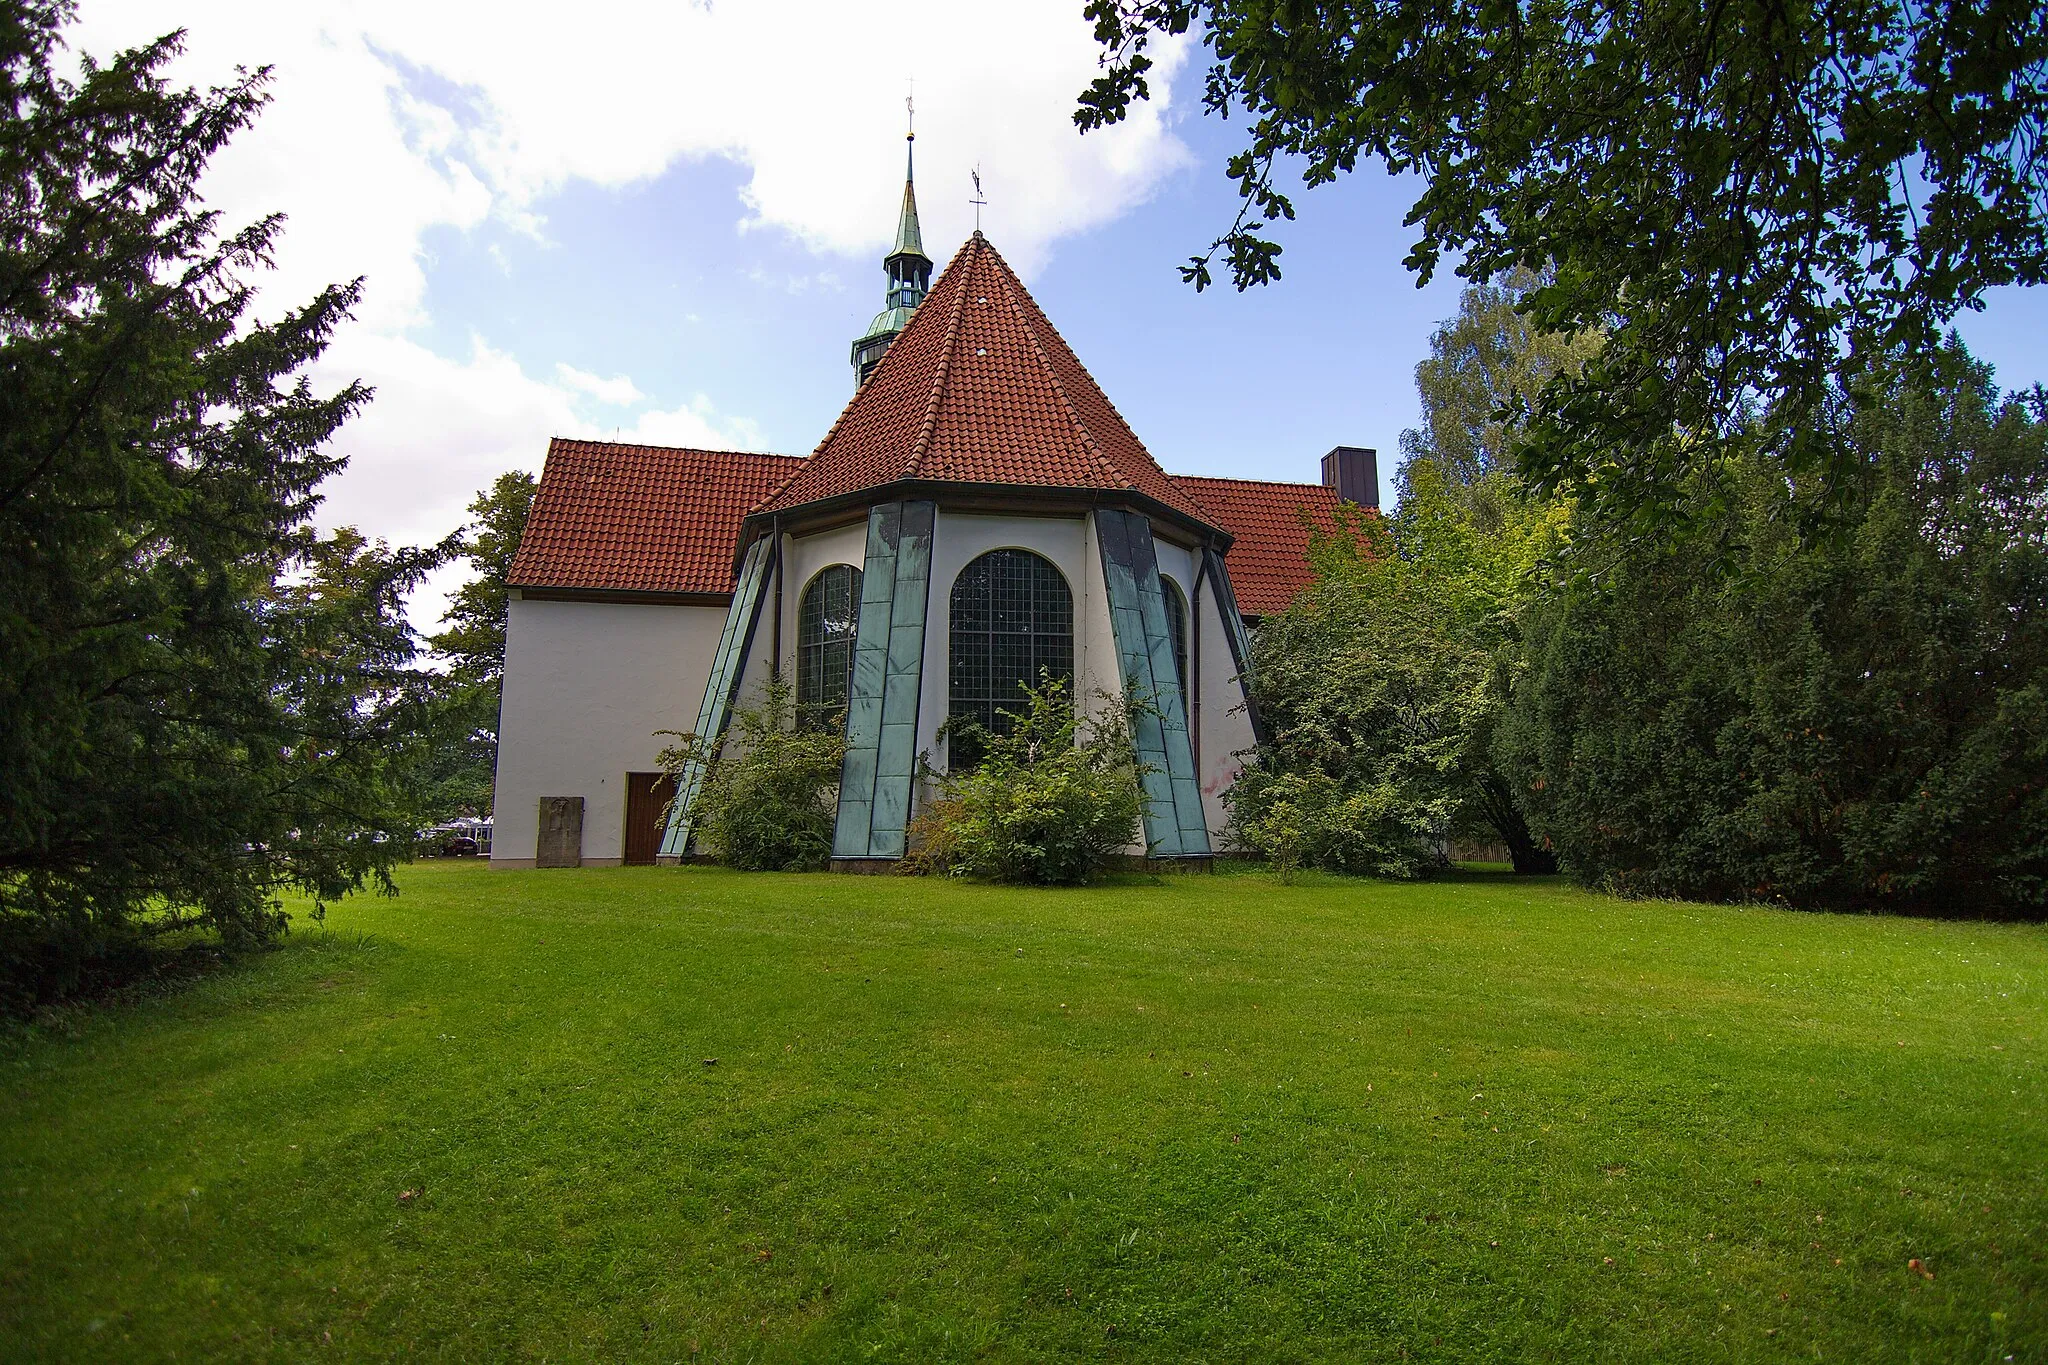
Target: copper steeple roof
point(979, 388)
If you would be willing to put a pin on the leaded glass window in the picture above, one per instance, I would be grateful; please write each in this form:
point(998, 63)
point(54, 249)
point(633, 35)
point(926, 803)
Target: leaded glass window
point(826, 616)
point(1177, 622)
point(1012, 621)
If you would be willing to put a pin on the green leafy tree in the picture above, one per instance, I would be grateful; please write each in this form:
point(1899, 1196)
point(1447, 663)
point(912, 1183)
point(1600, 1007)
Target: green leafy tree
point(1758, 203)
point(464, 767)
point(1381, 683)
point(1485, 369)
point(198, 705)
point(1845, 709)
point(474, 638)
point(768, 798)
point(1049, 802)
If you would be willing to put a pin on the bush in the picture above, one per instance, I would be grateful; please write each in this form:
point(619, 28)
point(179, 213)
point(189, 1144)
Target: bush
point(1309, 819)
point(1829, 696)
point(1380, 685)
point(1049, 802)
point(770, 790)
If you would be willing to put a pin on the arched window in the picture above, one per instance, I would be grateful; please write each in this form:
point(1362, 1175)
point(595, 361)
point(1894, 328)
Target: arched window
point(1177, 622)
point(826, 616)
point(1012, 619)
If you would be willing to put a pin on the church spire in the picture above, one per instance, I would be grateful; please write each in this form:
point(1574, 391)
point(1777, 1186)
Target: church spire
point(908, 269)
point(909, 241)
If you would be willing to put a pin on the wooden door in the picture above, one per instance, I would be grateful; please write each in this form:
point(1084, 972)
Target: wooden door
point(647, 796)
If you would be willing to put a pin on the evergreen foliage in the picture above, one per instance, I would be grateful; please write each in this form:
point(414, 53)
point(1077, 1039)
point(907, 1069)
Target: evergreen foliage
point(1049, 802)
point(1382, 682)
point(1751, 199)
point(201, 702)
point(768, 798)
point(1840, 701)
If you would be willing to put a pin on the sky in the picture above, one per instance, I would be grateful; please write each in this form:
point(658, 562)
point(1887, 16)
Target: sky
point(664, 222)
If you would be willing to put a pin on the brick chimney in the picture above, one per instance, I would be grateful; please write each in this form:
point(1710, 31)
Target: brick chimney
point(1354, 471)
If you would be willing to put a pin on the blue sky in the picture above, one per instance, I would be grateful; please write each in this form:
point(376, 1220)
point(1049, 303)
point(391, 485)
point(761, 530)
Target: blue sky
point(655, 282)
point(666, 221)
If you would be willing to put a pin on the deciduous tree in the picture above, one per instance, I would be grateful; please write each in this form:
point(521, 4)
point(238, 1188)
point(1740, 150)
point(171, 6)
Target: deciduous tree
point(464, 767)
point(1759, 203)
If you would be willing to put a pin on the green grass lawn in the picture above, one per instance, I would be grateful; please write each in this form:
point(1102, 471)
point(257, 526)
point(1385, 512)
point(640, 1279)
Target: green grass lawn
point(1202, 1118)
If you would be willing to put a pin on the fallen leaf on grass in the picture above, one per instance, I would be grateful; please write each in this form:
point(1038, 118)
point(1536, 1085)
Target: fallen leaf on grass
point(1918, 1267)
point(407, 1196)
point(711, 1061)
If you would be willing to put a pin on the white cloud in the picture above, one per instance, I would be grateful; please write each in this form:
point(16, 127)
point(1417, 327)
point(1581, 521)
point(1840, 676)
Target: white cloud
point(619, 391)
point(393, 118)
point(442, 428)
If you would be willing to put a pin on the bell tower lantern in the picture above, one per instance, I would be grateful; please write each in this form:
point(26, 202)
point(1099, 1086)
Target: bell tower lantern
point(909, 273)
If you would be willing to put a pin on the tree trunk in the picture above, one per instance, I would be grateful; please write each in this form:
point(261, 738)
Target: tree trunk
point(1528, 857)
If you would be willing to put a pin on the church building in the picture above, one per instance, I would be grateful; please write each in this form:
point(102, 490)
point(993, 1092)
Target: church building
point(980, 512)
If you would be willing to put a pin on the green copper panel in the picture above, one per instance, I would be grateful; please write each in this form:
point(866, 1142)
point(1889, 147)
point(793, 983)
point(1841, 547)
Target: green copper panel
point(1234, 632)
point(1174, 824)
point(880, 771)
point(728, 668)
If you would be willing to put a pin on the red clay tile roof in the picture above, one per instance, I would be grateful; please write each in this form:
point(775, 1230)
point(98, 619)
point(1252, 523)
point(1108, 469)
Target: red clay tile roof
point(1268, 562)
point(641, 518)
point(980, 388)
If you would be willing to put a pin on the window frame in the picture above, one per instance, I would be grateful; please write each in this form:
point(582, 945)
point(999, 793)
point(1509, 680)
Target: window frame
point(977, 648)
point(814, 665)
point(1177, 626)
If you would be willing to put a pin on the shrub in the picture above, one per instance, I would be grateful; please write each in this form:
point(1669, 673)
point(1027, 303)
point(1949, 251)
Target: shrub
point(769, 793)
point(1049, 802)
point(1381, 683)
point(1309, 819)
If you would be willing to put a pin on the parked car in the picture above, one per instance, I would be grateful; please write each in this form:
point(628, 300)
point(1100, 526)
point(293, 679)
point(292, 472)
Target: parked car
point(458, 846)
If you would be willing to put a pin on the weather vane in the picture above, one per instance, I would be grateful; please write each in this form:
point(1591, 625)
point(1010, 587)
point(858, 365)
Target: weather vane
point(978, 202)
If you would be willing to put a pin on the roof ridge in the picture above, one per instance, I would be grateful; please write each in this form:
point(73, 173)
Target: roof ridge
point(851, 403)
point(776, 492)
point(1052, 373)
point(1107, 401)
point(1233, 478)
point(945, 366)
point(587, 442)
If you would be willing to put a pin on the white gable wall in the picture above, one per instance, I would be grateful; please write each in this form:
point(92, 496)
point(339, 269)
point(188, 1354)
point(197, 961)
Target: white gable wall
point(586, 686)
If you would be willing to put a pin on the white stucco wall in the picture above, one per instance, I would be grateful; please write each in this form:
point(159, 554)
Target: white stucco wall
point(586, 686)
